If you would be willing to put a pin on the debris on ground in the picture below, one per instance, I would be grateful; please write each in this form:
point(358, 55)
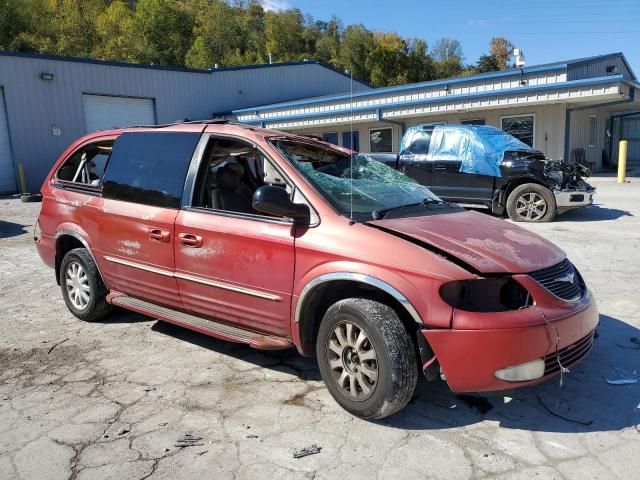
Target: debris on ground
point(56, 344)
point(564, 417)
point(188, 440)
point(148, 389)
point(479, 403)
point(123, 430)
point(621, 381)
point(305, 452)
point(252, 436)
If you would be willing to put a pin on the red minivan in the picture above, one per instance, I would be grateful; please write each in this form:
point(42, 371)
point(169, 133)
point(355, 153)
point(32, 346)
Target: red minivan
point(276, 240)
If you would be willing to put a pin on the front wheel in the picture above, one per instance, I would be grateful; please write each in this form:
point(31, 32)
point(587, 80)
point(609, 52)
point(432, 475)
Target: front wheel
point(366, 358)
point(531, 202)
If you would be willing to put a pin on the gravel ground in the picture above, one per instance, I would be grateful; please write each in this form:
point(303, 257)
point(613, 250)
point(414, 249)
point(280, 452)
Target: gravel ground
point(113, 399)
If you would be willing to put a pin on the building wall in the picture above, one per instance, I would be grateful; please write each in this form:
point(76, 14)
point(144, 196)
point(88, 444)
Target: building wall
point(34, 105)
point(598, 68)
point(581, 137)
point(549, 126)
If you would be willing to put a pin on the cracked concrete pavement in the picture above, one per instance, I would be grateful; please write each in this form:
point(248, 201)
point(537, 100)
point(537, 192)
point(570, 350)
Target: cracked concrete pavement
point(110, 399)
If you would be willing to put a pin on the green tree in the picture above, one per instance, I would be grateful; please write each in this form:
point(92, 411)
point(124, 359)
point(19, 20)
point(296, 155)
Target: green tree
point(165, 27)
point(420, 66)
point(117, 38)
point(327, 47)
point(253, 32)
point(447, 54)
point(218, 37)
point(284, 34)
point(355, 46)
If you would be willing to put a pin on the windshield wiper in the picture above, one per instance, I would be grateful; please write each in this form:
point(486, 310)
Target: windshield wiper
point(379, 213)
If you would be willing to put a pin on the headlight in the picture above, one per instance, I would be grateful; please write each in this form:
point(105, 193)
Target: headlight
point(523, 372)
point(486, 295)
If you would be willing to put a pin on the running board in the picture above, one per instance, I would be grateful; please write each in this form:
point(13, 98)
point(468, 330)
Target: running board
point(199, 324)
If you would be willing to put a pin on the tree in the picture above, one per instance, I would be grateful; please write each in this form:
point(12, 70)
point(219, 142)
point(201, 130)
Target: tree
point(284, 34)
point(502, 50)
point(486, 63)
point(387, 59)
point(166, 29)
point(327, 47)
point(447, 54)
point(117, 38)
point(355, 46)
point(218, 37)
point(420, 65)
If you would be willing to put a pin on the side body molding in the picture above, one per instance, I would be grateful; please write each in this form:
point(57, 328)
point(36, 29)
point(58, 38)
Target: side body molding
point(359, 278)
point(84, 242)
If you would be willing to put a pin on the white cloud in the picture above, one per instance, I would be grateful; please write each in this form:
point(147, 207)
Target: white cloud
point(275, 5)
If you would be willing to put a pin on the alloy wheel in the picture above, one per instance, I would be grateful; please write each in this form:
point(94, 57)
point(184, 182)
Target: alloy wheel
point(352, 360)
point(77, 284)
point(531, 206)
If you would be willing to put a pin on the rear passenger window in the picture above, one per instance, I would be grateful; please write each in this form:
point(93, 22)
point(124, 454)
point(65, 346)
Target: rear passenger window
point(150, 167)
point(85, 167)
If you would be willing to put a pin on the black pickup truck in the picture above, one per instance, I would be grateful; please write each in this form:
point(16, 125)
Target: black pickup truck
point(484, 166)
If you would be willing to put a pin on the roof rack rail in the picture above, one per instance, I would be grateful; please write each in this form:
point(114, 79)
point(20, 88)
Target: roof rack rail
point(213, 121)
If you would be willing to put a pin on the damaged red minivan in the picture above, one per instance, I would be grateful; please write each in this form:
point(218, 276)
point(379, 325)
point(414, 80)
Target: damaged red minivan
point(276, 240)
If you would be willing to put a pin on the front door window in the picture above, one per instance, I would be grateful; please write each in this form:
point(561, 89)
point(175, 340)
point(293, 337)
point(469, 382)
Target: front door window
point(521, 127)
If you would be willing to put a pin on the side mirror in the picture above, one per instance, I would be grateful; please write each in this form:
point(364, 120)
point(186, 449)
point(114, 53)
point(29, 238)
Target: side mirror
point(276, 201)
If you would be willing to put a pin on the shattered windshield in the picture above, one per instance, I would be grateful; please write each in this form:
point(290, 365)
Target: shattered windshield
point(373, 185)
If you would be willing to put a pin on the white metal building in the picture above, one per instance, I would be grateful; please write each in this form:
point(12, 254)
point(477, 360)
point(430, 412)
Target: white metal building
point(566, 109)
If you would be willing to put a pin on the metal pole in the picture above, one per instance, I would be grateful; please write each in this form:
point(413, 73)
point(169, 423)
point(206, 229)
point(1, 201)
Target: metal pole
point(622, 161)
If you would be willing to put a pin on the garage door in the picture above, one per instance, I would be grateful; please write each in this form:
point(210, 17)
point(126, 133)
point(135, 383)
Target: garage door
point(102, 112)
point(7, 172)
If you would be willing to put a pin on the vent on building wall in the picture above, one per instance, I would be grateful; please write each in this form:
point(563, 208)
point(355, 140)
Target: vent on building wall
point(612, 69)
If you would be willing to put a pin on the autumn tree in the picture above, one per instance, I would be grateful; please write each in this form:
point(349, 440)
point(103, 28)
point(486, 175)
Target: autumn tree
point(447, 54)
point(355, 46)
point(502, 50)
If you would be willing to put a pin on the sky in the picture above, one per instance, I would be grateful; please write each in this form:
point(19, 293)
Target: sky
point(545, 30)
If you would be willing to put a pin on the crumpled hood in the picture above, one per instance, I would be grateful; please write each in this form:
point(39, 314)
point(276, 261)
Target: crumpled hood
point(487, 244)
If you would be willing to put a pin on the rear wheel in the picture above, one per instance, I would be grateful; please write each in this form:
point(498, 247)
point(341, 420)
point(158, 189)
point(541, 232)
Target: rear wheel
point(82, 287)
point(531, 203)
point(366, 358)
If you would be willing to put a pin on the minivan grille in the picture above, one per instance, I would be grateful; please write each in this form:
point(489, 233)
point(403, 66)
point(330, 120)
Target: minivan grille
point(562, 280)
point(569, 355)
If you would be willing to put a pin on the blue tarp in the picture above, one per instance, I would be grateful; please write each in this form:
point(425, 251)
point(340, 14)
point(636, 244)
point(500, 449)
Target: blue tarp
point(480, 148)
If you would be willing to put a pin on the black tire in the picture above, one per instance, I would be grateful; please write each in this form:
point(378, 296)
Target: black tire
point(395, 362)
point(30, 197)
point(530, 194)
point(96, 306)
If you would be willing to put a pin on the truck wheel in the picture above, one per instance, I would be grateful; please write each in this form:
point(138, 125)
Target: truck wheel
point(82, 287)
point(366, 358)
point(531, 203)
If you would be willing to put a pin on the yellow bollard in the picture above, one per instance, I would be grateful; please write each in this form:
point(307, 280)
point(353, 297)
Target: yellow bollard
point(622, 161)
point(23, 184)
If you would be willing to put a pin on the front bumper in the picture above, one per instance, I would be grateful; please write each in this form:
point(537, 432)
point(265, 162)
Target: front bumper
point(573, 198)
point(469, 358)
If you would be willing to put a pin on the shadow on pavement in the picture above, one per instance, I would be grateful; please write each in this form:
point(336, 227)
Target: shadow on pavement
point(585, 403)
point(594, 213)
point(11, 229)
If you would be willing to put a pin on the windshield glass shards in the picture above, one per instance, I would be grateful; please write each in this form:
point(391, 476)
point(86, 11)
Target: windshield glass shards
point(357, 183)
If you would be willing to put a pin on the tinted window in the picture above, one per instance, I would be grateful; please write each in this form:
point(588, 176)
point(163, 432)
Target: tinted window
point(521, 127)
point(150, 167)
point(330, 137)
point(347, 143)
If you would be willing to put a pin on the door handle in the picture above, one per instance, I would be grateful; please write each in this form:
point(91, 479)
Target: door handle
point(190, 240)
point(159, 235)
point(439, 168)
